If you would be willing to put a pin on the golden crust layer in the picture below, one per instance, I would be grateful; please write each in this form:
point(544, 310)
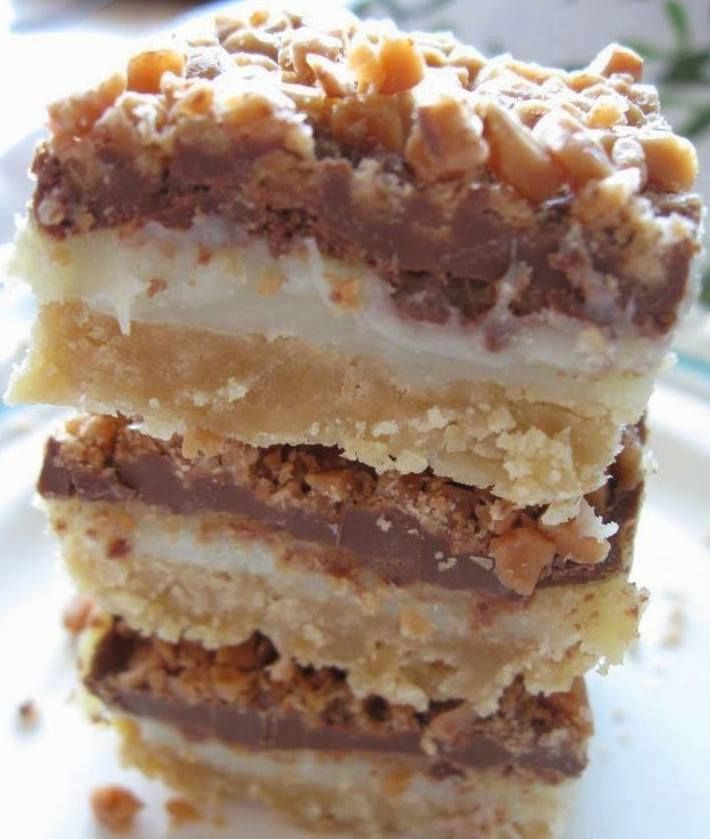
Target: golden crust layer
point(481, 434)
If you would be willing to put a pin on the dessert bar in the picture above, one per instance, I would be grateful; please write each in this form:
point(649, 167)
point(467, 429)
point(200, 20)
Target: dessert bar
point(241, 721)
point(420, 588)
point(354, 237)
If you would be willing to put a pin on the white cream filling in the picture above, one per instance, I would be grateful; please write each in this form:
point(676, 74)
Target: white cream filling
point(228, 554)
point(309, 767)
point(305, 766)
point(216, 277)
point(354, 786)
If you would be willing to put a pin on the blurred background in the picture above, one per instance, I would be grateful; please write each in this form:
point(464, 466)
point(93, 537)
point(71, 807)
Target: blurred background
point(50, 47)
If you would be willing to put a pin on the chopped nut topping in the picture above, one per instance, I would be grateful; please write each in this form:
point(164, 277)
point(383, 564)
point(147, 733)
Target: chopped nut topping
point(402, 63)
point(304, 43)
point(516, 156)
point(77, 115)
point(571, 545)
point(393, 66)
point(573, 147)
point(146, 69)
point(208, 62)
point(521, 555)
point(253, 40)
point(336, 484)
point(671, 160)
point(252, 59)
point(468, 58)
point(446, 141)
point(362, 83)
point(331, 76)
point(617, 59)
point(627, 153)
point(376, 121)
point(115, 807)
point(364, 63)
point(606, 112)
point(29, 714)
point(595, 205)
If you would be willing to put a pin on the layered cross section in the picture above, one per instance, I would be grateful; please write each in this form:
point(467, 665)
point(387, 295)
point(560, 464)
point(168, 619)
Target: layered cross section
point(360, 327)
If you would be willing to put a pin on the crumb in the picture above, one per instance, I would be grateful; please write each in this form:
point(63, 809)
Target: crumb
point(675, 630)
point(413, 624)
point(79, 613)
point(155, 286)
point(484, 561)
point(282, 670)
point(181, 811)
point(347, 295)
point(29, 715)
point(397, 781)
point(270, 282)
point(384, 524)
point(312, 634)
point(117, 548)
point(384, 428)
point(115, 807)
point(447, 564)
point(204, 255)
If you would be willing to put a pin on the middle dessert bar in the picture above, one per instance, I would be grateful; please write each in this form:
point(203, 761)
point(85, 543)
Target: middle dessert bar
point(419, 587)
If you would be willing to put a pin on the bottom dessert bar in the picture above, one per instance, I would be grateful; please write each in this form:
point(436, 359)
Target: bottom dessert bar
point(241, 722)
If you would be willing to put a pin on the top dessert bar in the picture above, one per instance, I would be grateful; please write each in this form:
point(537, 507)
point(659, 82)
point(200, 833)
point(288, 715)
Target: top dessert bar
point(330, 231)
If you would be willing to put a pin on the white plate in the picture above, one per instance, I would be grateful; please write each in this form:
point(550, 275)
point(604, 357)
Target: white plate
point(648, 775)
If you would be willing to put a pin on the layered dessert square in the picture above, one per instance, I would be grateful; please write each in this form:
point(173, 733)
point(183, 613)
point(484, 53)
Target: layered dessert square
point(349, 236)
point(242, 721)
point(420, 588)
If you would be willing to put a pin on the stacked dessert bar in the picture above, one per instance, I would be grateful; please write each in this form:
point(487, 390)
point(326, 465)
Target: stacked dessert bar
point(366, 325)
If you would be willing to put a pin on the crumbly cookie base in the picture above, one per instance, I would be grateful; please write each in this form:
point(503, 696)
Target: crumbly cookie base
point(209, 386)
point(204, 578)
point(366, 795)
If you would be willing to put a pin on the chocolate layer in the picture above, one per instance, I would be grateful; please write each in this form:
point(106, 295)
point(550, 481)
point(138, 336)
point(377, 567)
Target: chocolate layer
point(441, 249)
point(261, 717)
point(366, 531)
